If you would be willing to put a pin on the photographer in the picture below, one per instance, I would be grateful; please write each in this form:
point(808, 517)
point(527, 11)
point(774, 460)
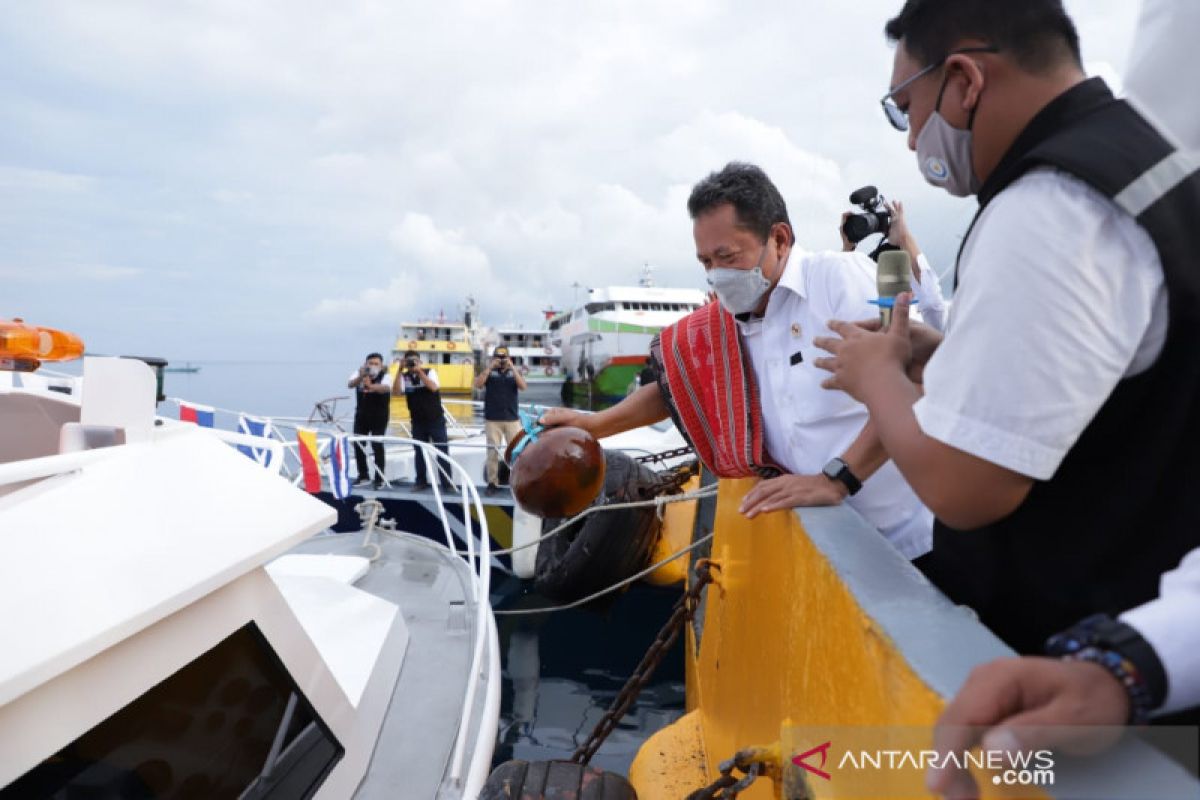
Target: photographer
point(927, 288)
point(500, 383)
point(372, 386)
point(422, 393)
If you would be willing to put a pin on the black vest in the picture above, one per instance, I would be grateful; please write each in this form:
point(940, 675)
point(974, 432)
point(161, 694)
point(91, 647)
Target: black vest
point(500, 397)
point(1123, 507)
point(371, 405)
point(424, 405)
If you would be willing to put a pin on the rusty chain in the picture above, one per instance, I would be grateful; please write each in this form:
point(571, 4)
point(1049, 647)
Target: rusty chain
point(666, 455)
point(727, 786)
point(681, 614)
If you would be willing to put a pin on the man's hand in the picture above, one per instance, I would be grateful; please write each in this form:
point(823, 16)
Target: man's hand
point(790, 491)
point(495, 365)
point(847, 245)
point(562, 417)
point(861, 355)
point(1025, 704)
point(899, 235)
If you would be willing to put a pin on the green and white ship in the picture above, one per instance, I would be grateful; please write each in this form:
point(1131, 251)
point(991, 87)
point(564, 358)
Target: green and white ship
point(605, 342)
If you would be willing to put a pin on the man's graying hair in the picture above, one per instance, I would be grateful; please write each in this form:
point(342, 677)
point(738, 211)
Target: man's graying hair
point(755, 200)
point(1036, 34)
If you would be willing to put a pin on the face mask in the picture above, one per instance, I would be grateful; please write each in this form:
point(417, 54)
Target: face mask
point(944, 155)
point(740, 290)
point(374, 371)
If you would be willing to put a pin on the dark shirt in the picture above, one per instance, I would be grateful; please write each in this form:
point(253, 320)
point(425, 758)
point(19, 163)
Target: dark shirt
point(500, 397)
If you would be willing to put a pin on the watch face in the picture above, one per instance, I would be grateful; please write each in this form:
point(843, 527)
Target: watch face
point(833, 468)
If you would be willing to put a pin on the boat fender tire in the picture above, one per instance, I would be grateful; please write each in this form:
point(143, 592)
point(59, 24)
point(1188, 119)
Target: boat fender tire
point(607, 546)
point(551, 780)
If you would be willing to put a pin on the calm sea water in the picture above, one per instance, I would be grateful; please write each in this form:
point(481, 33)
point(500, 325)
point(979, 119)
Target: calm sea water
point(561, 670)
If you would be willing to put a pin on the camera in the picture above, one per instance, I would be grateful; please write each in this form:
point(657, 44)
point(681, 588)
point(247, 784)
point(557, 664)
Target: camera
point(410, 363)
point(875, 217)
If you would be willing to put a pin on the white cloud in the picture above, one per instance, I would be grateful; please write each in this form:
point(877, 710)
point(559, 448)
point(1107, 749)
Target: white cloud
point(392, 157)
point(63, 274)
point(17, 179)
point(430, 259)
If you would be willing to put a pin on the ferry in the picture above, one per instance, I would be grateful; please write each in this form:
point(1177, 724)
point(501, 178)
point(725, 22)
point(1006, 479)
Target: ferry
point(533, 353)
point(605, 342)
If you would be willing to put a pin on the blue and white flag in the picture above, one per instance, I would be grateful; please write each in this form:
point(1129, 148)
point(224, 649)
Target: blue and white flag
point(339, 466)
point(253, 426)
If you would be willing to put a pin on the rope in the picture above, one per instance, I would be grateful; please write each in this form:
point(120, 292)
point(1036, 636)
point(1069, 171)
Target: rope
point(531, 426)
point(619, 585)
point(660, 501)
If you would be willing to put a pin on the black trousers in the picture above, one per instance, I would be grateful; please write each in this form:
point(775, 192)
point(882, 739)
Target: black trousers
point(369, 425)
point(433, 432)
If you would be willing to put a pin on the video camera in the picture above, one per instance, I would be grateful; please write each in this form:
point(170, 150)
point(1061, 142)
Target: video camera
point(875, 217)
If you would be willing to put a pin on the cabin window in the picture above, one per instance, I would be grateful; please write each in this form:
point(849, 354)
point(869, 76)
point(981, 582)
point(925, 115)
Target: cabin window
point(232, 723)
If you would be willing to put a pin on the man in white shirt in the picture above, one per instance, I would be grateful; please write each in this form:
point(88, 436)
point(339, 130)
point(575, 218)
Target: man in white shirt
point(421, 390)
point(372, 387)
point(1053, 438)
point(1016, 704)
point(1007, 696)
point(782, 298)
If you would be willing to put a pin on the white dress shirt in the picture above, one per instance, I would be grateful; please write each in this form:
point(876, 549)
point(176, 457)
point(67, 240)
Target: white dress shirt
point(1171, 624)
point(1060, 295)
point(927, 291)
point(806, 425)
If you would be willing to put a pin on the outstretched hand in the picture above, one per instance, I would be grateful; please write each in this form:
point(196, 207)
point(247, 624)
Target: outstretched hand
point(1028, 704)
point(561, 417)
point(860, 355)
point(791, 491)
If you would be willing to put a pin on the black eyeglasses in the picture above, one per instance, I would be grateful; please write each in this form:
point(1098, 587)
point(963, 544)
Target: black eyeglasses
point(897, 116)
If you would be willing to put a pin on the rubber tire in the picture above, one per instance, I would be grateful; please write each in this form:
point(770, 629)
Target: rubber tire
point(605, 547)
point(554, 780)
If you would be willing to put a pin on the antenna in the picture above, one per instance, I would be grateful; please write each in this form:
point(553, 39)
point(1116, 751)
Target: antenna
point(647, 279)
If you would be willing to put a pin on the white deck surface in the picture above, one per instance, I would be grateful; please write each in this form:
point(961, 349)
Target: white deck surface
point(87, 559)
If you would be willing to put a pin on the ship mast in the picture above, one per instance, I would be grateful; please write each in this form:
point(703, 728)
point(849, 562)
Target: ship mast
point(647, 279)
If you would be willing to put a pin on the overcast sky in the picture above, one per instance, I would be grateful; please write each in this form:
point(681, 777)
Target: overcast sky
point(221, 179)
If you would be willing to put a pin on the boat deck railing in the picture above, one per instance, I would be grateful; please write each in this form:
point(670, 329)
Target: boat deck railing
point(477, 554)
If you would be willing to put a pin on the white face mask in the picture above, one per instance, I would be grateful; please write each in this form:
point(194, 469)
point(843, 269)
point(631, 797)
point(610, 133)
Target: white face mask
point(374, 371)
point(945, 155)
point(740, 290)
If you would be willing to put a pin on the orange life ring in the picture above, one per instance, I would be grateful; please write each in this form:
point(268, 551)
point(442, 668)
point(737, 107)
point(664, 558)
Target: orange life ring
point(549, 371)
point(451, 345)
point(412, 345)
point(549, 351)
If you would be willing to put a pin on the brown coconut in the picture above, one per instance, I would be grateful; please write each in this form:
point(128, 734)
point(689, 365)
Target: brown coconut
point(558, 475)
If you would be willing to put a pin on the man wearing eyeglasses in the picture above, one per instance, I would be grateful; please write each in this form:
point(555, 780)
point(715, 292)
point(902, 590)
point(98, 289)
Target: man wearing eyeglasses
point(1053, 440)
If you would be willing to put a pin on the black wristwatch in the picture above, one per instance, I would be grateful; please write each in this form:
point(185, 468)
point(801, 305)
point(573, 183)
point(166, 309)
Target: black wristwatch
point(1121, 650)
point(838, 470)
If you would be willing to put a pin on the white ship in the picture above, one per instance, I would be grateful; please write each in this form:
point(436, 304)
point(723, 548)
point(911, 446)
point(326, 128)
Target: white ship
point(606, 341)
point(533, 353)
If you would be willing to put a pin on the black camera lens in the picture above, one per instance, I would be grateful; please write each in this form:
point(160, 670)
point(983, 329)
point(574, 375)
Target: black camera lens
point(860, 226)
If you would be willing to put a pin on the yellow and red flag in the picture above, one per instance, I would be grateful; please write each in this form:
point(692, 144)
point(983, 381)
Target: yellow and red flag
point(309, 460)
